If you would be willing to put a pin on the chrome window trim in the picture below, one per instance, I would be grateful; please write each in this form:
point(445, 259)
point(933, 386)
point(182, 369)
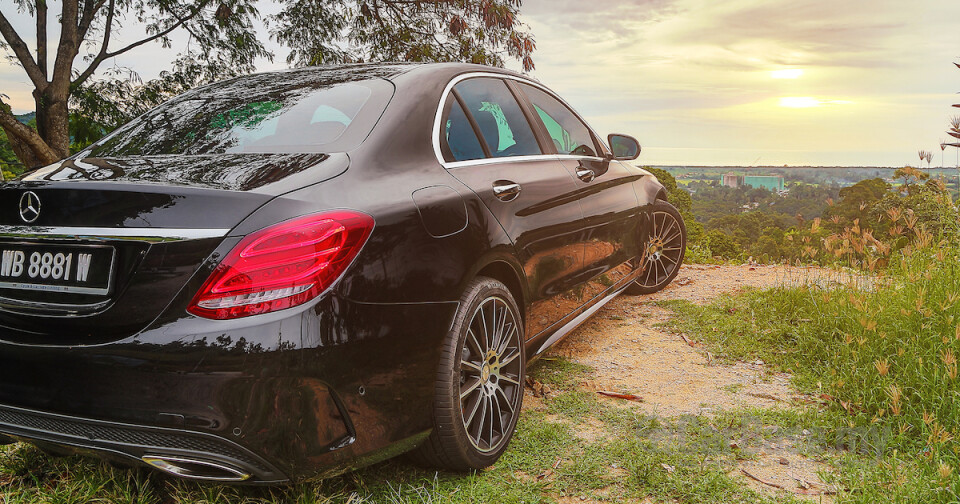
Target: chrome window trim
point(511, 159)
point(107, 234)
point(517, 159)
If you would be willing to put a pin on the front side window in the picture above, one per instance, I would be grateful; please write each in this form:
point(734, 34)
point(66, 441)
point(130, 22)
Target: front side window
point(502, 124)
point(569, 134)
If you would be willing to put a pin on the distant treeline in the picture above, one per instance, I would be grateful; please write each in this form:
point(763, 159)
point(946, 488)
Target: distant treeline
point(746, 222)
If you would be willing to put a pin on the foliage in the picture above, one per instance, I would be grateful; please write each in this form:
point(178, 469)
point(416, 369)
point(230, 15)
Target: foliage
point(880, 352)
point(9, 164)
point(870, 221)
point(340, 31)
point(680, 198)
point(857, 198)
point(805, 200)
point(954, 129)
point(721, 244)
point(224, 43)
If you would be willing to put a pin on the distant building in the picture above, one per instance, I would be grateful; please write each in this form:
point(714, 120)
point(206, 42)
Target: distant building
point(732, 180)
point(770, 182)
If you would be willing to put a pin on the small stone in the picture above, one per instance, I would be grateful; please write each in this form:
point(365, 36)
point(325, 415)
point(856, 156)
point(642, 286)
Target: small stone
point(734, 445)
point(784, 461)
point(805, 432)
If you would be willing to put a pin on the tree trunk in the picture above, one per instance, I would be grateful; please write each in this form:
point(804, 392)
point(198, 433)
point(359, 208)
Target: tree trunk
point(23, 151)
point(27, 144)
point(53, 121)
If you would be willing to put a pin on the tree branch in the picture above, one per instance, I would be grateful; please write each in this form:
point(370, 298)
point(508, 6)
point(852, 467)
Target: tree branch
point(105, 54)
point(163, 33)
point(28, 136)
point(102, 54)
point(22, 52)
point(90, 9)
point(42, 36)
point(67, 49)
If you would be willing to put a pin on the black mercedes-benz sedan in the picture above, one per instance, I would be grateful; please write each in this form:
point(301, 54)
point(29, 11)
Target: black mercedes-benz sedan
point(292, 274)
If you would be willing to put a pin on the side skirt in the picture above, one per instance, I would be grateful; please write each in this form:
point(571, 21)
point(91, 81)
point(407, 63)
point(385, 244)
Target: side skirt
point(539, 345)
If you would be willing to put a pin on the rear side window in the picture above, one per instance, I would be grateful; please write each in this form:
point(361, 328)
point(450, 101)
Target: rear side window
point(497, 113)
point(569, 134)
point(459, 135)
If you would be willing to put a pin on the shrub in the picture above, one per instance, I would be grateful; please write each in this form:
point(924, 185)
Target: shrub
point(721, 245)
point(880, 352)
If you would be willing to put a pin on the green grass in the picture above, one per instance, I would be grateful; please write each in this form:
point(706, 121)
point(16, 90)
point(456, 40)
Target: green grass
point(881, 357)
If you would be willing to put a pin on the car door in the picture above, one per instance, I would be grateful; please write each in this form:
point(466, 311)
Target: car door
point(611, 233)
point(488, 144)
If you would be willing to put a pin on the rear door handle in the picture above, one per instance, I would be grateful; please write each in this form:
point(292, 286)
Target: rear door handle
point(586, 174)
point(506, 190)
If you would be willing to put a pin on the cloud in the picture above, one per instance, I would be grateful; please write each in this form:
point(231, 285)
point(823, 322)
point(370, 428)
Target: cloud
point(697, 73)
point(599, 19)
point(692, 79)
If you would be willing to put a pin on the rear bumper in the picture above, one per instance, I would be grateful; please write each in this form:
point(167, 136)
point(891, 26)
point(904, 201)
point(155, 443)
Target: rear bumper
point(135, 443)
point(289, 396)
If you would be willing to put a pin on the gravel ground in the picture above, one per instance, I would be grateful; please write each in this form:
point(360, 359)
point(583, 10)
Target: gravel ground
point(630, 353)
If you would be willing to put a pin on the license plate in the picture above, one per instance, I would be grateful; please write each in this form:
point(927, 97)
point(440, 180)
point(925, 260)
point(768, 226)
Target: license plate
point(79, 269)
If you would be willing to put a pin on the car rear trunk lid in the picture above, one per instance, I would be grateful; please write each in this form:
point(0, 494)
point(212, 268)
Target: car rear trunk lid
point(105, 254)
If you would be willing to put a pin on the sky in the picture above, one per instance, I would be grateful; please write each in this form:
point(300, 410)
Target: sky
point(733, 82)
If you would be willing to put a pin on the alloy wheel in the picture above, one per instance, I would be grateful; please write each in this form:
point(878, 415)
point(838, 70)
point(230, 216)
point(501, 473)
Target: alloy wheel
point(663, 250)
point(490, 370)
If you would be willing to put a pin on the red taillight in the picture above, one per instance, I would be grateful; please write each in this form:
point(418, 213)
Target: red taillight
point(283, 265)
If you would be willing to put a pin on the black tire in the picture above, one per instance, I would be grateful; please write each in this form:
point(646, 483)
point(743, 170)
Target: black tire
point(496, 384)
point(663, 251)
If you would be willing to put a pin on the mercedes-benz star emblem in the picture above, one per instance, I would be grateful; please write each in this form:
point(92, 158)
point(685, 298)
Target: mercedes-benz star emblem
point(29, 207)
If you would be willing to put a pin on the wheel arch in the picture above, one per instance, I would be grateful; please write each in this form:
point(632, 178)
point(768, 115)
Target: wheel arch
point(506, 273)
point(649, 189)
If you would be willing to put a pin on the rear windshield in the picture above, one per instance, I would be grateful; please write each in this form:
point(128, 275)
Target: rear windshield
point(304, 117)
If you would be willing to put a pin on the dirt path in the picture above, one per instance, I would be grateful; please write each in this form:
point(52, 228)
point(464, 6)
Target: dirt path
point(630, 353)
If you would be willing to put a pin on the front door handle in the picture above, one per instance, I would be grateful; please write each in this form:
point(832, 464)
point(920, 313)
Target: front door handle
point(505, 190)
point(586, 174)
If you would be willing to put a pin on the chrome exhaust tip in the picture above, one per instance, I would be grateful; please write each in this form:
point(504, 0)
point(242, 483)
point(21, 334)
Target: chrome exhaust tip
point(196, 469)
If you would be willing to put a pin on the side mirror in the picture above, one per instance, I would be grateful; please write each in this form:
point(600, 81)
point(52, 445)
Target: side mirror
point(624, 147)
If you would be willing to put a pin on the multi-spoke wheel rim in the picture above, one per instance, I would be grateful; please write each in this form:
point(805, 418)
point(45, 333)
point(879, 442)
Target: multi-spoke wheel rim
point(490, 368)
point(663, 250)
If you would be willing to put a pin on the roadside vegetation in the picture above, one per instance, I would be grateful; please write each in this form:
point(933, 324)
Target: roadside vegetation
point(810, 223)
point(878, 353)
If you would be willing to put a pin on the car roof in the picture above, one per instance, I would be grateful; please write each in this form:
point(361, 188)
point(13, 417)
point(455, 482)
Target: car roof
point(398, 73)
